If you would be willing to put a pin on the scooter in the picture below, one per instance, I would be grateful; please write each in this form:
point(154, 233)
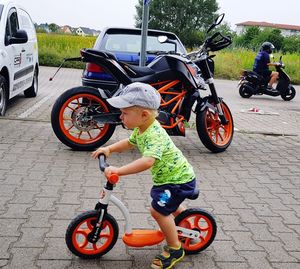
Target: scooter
point(94, 233)
point(252, 83)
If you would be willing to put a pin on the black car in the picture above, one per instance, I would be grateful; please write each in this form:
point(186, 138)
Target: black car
point(125, 44)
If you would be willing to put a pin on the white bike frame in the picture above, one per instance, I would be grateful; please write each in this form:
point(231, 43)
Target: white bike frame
point(107, 196)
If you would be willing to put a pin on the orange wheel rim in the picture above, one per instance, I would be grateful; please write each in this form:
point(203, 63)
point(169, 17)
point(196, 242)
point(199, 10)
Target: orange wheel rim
point(73, 123)
point(198, 223)
point(80, 237)
point(219, 134)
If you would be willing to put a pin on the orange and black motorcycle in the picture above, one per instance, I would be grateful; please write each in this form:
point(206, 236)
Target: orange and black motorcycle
point(83, 120)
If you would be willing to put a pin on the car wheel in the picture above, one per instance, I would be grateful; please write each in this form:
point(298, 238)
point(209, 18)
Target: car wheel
point(3, 95)
point(32, 91)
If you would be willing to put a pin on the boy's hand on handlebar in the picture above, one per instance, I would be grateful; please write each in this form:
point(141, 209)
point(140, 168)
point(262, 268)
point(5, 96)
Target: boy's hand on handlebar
point(104, 150)
point(111, 170)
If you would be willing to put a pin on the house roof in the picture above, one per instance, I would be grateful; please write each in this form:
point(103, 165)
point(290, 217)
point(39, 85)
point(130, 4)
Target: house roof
point(268, 24)
point(88, 31)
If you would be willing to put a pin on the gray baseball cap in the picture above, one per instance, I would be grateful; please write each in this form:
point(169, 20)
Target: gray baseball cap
point(136, 94)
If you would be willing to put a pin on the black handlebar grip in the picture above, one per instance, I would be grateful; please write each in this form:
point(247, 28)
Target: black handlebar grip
point(102, 162)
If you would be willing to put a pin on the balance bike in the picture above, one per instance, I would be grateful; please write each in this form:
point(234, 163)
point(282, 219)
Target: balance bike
point(94, 233)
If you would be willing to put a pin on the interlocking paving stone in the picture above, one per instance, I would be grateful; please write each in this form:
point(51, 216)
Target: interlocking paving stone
point(252, 189)
point(5, 242)
point(256, 259)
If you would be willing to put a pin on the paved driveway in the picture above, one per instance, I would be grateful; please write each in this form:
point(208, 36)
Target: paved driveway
point(253, 188)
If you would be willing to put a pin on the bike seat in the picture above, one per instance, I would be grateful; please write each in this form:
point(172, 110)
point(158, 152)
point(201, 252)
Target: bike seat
point(194, 195)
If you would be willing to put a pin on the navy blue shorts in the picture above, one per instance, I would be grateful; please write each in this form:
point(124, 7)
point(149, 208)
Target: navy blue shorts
point(168, 197)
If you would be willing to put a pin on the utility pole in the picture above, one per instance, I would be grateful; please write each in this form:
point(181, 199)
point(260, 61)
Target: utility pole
point(144, 32)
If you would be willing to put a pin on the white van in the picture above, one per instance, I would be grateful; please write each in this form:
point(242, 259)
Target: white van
point(19, 67)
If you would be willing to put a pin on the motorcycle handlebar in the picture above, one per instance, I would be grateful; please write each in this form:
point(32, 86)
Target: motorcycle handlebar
point(217, 41)
point(213, 43)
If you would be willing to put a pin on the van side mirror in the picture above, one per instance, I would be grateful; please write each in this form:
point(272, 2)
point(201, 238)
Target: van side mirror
point(19, 38)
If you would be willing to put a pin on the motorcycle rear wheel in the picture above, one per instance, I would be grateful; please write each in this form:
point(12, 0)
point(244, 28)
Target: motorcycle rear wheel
point(214, 135)
point(289, 94)
point(73, 126)
point(243, 93)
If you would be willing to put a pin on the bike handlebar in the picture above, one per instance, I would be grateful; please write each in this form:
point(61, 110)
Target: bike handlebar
point(102, 162)
point(113, 178)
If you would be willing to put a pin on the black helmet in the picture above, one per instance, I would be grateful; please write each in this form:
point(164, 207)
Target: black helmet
point(267, 47)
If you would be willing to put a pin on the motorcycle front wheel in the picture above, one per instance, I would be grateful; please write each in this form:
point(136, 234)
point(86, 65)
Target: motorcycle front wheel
point(214, 135)
point(198, 220)
point(77, 235)
point(289, 94)
point(72, 121)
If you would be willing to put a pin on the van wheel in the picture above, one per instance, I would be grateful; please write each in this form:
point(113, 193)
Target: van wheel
point(3, 95)
point(32, 91)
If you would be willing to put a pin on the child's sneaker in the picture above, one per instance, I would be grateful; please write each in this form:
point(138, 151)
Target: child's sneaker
point(168, 258)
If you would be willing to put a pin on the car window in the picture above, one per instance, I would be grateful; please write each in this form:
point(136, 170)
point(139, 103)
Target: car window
point(132, 43)
point(26, 24)
point(12, 25)
point(1, 9)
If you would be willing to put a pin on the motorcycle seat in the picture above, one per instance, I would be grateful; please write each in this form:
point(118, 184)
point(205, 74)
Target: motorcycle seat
point(252, 76)
point(104, 54)
point(137, 71)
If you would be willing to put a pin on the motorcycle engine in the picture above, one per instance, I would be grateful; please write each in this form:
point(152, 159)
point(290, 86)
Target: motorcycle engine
point(164, 118)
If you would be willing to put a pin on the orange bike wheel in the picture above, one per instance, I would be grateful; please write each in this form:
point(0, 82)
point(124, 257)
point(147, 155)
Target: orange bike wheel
point(79, 230)
point(214, 135)
point(197, 220)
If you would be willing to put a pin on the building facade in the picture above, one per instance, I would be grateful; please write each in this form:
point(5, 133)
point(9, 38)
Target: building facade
point(286, 29)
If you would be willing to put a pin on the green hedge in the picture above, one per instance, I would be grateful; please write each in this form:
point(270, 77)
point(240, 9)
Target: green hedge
point(53, 48)
point(229, 63)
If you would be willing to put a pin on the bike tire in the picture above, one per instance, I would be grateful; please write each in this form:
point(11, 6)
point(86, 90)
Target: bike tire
point(289, 94)
point(77, 233)
point(213, 134)
point(243, 93)
point(66, 123)
point(199, 220)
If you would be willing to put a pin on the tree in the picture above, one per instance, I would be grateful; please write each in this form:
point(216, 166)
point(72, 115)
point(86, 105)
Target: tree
point(271, 35)
point(291, 44)
point(251, 34)
point(53, 27)
point(185, 18)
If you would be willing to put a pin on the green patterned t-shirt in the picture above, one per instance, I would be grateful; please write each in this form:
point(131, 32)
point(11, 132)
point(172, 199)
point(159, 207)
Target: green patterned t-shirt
point(170, 167)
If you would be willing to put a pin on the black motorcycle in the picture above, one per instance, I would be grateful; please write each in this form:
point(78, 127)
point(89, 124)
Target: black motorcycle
point(252, 83)
point(83, 120)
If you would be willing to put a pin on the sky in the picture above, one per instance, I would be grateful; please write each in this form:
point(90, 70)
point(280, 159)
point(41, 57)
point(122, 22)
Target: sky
point(97, 14)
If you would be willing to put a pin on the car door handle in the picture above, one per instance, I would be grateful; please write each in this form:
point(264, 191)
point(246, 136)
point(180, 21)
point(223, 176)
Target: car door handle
point(23, 50)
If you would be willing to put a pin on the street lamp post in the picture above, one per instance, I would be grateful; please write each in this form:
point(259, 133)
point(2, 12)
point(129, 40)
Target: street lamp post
point(144, 32)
